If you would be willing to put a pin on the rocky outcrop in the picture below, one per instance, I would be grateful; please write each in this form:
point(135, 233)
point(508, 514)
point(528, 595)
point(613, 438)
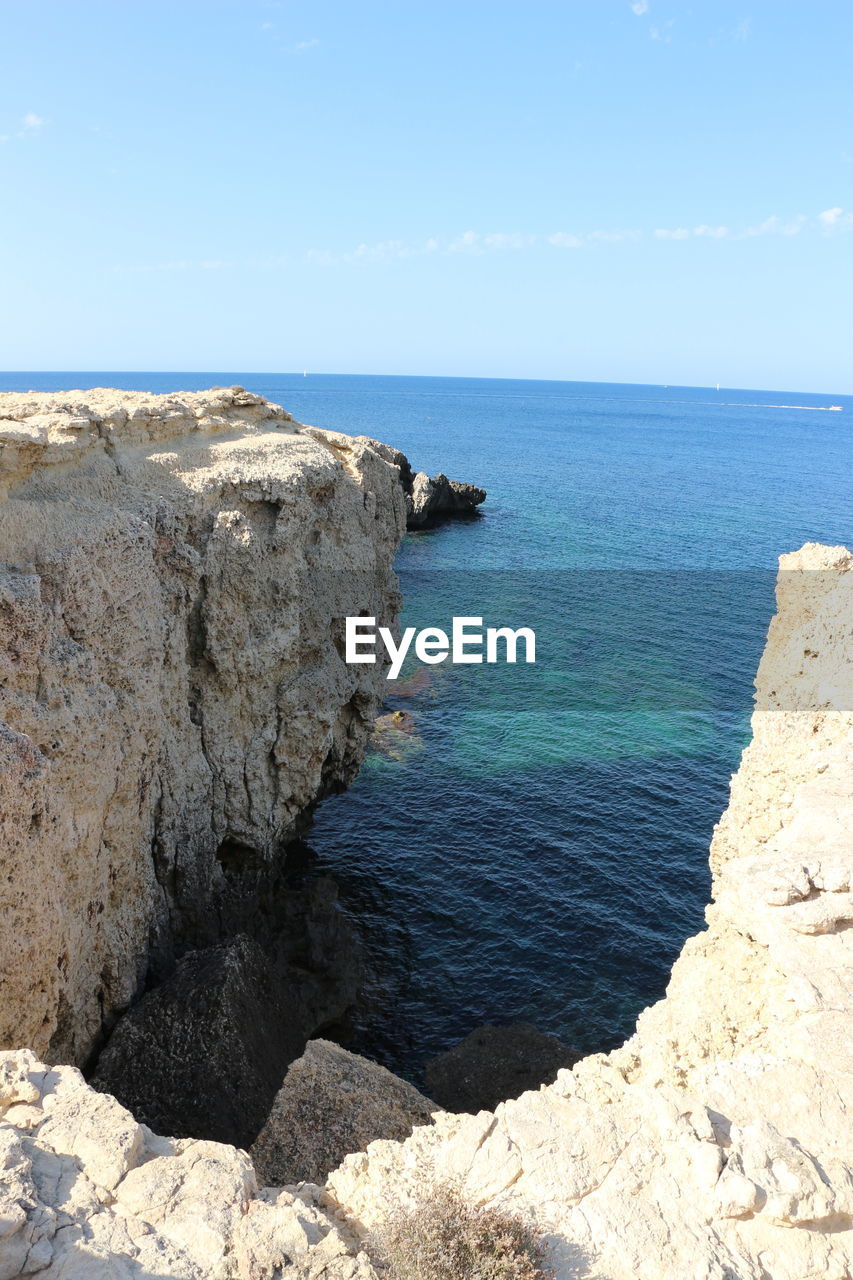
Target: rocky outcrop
point(155, 608)
point(174, 575)
point(203, 1053)
point(429, 502)
point(493, 1064)
point(716, 1143)
point(432, 501)
point(332, 1103)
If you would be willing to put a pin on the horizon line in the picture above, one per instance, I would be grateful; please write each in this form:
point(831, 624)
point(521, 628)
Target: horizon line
point(286, 373)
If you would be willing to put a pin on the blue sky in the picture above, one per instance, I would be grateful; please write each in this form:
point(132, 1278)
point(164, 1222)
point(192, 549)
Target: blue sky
point(649, 191)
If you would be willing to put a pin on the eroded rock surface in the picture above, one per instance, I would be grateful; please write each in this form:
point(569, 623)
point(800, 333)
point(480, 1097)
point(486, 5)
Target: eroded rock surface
point(87, 1193)
point(203, 1053)
point(331, 1104)
point(154, 609)
point(174, 576)
point(429, 501)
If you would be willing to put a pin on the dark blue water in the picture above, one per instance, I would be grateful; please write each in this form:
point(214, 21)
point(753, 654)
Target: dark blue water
point(537, 847)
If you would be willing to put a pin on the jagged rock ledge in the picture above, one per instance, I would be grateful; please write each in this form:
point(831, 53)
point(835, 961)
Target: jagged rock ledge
point(174, 575)
point(717, 1143)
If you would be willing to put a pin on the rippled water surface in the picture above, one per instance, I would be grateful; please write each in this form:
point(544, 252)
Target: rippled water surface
point(536, 848)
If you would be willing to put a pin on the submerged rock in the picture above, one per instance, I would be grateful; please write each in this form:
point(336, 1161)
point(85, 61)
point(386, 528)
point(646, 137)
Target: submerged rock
point(395, 736)
point(331, 1104)
point(401, 721)
point(496, 1063)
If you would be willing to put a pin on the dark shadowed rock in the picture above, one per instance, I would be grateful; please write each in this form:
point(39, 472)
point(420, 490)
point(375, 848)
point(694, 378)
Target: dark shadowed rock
point(431, 501)
point(493, 1064)
point(331, 1104)
point(203, 1053)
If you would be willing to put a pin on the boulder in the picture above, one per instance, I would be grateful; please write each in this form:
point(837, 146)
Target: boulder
point(203, 1054)
point(495, 1063)
point(331, 1104)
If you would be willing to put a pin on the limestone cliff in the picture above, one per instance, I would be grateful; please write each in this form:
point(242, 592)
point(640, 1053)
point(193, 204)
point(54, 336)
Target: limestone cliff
point(174, 574)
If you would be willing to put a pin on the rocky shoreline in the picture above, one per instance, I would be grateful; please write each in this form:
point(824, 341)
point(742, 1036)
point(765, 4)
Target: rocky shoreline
point(175, 704)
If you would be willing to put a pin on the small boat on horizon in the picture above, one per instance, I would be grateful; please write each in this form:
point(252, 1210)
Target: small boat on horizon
point(837, 407)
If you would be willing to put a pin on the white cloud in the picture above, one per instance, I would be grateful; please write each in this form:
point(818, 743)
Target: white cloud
point(776, 226)
point(663, 33)
point(565, 240)
point(502, 240)
point(568, 240)
point(613, 237)
point(468, 242)
point(478, 243)
point(640, 7)
point(741, 31)
point(385, 251)
point(30, 123)
point(306, 44)
point(834, 219)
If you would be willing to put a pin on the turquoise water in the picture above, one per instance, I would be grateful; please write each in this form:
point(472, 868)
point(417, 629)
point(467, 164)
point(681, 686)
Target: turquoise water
point(537, 847)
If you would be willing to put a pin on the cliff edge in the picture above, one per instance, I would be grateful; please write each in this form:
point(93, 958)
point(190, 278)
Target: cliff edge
point(174, 575)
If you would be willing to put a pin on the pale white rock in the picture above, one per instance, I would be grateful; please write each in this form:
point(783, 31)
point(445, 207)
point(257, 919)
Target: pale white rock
point(76, 1121)
point(183, 1209)
point(174, 575)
